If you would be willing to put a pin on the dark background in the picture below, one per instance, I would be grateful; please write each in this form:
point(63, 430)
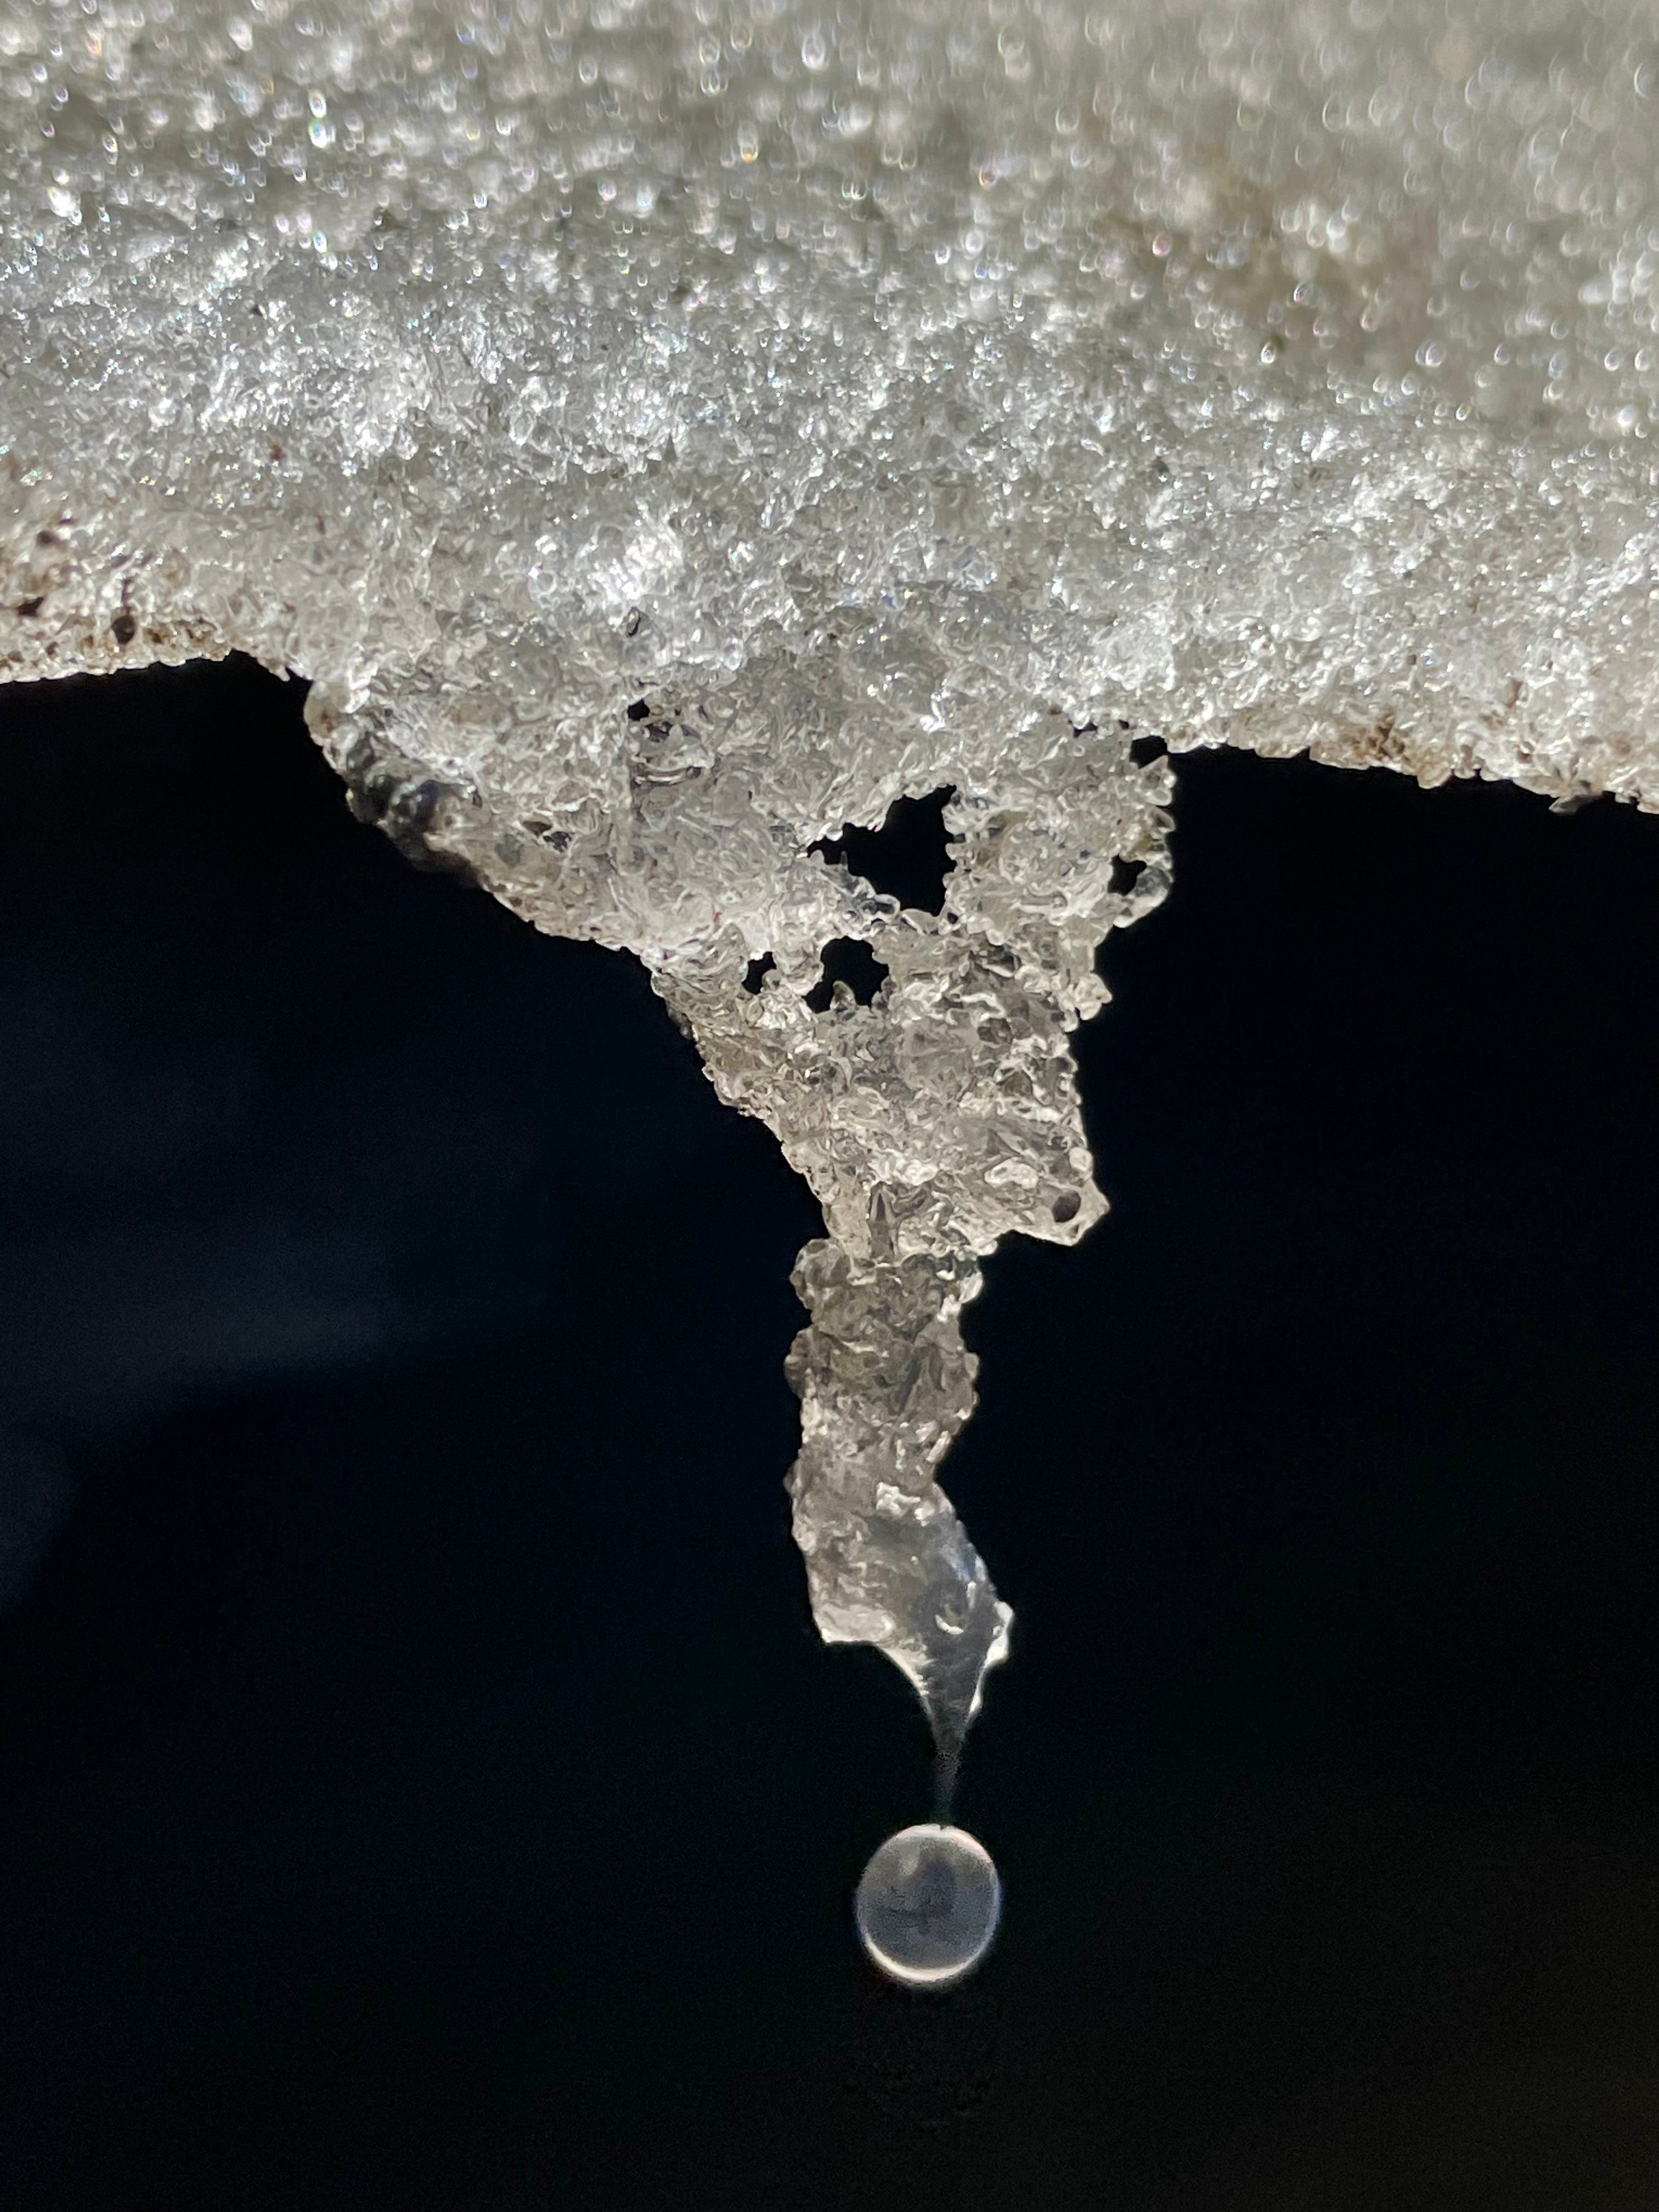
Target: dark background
point(421, 1784)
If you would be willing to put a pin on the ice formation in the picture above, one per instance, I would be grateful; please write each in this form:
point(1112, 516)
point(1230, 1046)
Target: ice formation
point(665, 432)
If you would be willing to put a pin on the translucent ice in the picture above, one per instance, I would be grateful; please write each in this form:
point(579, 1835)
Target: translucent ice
point(667, 431)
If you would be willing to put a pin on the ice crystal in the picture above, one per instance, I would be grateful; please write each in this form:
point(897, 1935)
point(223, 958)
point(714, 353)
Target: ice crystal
point(669, 432)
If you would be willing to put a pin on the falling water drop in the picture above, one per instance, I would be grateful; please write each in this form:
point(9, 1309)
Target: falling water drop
point(927, 1905)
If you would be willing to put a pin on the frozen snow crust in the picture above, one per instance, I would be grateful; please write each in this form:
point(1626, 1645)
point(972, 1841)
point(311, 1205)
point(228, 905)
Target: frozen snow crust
point(667, 433)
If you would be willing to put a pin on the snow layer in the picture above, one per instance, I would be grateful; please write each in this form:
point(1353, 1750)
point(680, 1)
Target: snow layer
point(666, 432)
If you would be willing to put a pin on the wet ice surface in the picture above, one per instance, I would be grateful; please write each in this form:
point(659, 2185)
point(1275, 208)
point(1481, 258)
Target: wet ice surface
point(667, 434)
point(927, 1906)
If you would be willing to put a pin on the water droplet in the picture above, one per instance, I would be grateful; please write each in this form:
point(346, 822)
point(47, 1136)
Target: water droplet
point(927, 1905)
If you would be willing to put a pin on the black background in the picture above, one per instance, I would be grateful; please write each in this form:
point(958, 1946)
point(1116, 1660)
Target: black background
point(421, 1784)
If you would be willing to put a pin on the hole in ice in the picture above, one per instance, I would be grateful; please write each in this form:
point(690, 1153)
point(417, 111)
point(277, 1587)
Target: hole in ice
point(908, 858)
point(1125, 875)
point(638, 711)
point(757, 972)
point(848, 960)
point(1067, 1206)
point(927, 1905)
